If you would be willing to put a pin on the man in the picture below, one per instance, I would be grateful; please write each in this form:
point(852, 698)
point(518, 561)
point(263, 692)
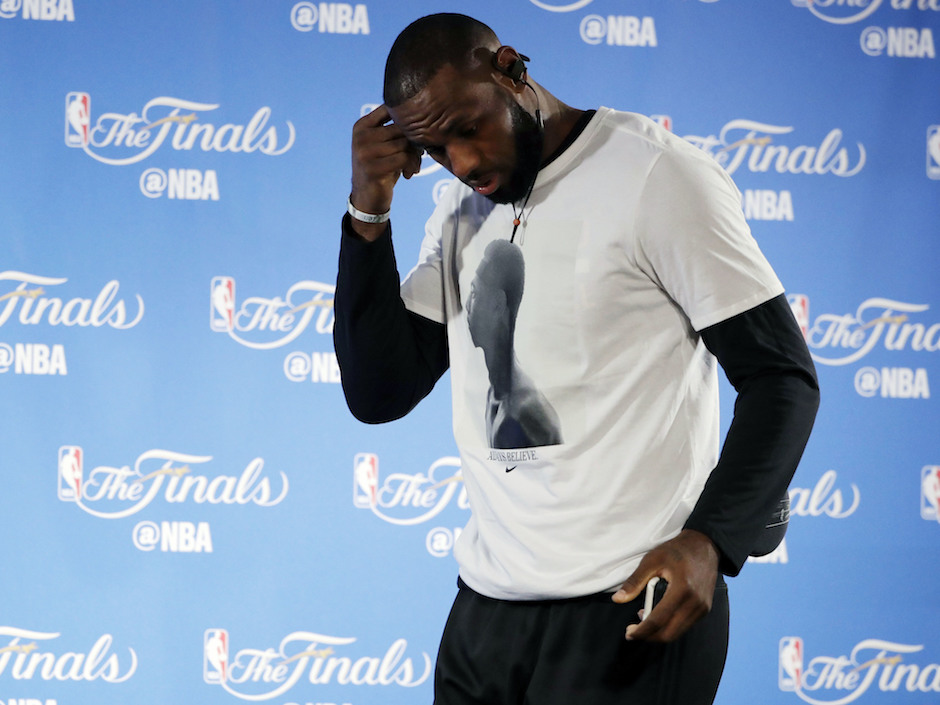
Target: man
point(640, 271)
point(517, 414)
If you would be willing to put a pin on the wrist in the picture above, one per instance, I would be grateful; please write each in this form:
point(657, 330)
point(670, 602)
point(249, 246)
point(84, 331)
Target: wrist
point(368, 232)
point(371, 217)
point(702, 544)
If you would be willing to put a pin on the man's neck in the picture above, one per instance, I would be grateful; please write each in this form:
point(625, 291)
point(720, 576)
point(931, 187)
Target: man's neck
point(559, 119)
point(583, 119)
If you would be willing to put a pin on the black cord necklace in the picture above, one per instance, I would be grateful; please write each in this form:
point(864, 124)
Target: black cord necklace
point(573, 134)
point(517, 219)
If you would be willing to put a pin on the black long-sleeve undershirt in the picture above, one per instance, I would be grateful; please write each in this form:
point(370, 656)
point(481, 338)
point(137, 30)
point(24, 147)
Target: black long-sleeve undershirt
point(390, 359)
point(766, 360)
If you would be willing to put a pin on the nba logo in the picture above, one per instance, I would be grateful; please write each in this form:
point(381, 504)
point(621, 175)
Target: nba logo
point(215, 656)
point(930, 493)
point(664, 121)
point(799, 304)
point(791, 663)
point(77, 119)
point(222, 306)
point(70, 473)
point(365, 480)
point(933, 152)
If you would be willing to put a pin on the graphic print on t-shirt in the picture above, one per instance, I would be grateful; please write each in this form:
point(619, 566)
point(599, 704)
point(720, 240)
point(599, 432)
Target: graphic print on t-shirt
point(517, 414)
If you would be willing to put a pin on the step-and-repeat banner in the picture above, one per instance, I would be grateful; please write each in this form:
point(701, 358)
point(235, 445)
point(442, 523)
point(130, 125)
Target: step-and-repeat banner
point(189, 512)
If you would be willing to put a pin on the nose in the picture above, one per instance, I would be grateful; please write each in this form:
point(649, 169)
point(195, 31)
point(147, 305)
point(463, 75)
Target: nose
point(463, 160)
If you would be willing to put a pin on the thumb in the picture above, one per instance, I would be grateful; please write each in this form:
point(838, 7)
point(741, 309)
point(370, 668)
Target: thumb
point(635, 584)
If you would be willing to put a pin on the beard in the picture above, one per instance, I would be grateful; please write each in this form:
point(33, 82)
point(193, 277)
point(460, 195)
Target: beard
point(529, 139)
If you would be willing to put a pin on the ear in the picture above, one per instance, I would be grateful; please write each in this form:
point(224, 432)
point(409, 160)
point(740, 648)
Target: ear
point(510, 63)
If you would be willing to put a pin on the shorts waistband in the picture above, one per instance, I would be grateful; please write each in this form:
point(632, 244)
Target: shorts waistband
point(594, 597)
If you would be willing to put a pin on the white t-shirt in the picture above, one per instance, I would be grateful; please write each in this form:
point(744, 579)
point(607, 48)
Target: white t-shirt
point(590, 442)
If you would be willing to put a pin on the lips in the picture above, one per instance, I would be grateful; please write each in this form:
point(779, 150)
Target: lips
point(486, 186)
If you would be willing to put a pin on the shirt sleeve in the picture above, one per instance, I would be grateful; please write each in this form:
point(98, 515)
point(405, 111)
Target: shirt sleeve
point(765, 357)
point(692, 239)
point(389, 357)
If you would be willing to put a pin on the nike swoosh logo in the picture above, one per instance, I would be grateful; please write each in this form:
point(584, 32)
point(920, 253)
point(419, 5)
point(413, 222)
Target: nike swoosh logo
point(512, 468)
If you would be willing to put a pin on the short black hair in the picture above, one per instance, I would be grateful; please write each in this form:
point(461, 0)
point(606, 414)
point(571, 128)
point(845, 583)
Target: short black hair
point(427, 45)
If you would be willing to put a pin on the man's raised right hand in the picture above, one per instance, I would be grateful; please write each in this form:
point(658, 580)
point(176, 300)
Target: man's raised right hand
point(380, 154)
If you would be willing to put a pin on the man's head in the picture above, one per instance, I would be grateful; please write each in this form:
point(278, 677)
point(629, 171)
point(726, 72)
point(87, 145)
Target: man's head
point(447, 88)
point(426, 45)
point(495, 293)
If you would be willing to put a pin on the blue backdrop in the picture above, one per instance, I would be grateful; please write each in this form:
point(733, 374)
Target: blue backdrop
point(189, 512)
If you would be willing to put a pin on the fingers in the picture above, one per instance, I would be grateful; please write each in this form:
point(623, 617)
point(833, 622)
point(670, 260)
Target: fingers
point(414, 162)
point(376, 128)
point(379, 116)
point(636, 583)
point(388, 137)
point(672, 617)
point(380, 165)
point(380, 155)
point(689, 562)
point(632, 588)
point(374, 147)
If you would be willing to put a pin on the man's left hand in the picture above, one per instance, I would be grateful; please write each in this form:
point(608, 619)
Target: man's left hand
point(689, 562)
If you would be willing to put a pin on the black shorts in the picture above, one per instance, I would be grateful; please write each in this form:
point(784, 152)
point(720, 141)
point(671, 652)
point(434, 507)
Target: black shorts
point(573, 652)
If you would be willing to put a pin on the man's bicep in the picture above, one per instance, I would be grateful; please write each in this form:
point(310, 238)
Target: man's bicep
point(763, 340)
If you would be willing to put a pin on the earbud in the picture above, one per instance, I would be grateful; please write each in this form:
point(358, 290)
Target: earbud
point(516, 70)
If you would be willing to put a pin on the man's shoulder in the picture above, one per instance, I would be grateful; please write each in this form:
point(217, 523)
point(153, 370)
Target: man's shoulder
point(632, 133)
point(673, 159)
point(628, 126)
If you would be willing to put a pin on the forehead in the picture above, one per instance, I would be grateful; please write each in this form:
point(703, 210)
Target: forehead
point(449, 97)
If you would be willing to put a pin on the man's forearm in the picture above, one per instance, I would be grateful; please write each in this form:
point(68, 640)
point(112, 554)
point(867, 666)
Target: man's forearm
point(766, 360)
point(389, 358)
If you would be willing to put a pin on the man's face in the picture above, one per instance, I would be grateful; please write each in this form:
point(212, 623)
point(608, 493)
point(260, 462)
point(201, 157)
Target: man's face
point(476, 130)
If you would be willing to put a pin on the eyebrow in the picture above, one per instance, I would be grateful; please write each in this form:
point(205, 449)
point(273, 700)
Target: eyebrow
point(445, 131)
point(451, 124)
